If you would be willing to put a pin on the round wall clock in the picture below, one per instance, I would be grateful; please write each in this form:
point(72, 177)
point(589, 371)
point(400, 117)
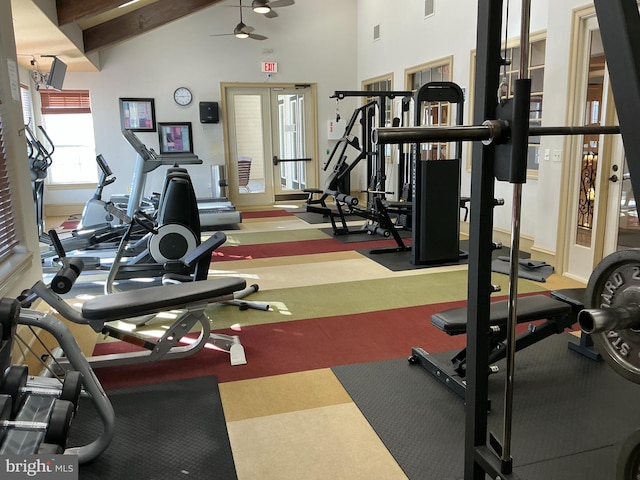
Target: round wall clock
point(182, 96)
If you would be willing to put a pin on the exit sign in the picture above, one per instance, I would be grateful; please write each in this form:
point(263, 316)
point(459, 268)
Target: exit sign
point(269, 67)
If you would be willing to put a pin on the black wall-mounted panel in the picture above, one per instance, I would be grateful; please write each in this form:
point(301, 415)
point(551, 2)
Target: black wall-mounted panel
point(209, 112)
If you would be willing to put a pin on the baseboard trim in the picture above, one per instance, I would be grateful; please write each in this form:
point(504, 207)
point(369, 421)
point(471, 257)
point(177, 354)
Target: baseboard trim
point(63, 209)
point(544, 255)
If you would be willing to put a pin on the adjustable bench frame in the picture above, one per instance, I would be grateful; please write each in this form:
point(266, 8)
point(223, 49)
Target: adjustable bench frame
point(189, 299)
point(558, 315)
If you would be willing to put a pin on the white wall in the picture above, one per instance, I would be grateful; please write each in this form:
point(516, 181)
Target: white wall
point(313, 42)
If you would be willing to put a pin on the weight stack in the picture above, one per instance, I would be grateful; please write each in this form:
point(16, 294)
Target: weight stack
point(436, 212)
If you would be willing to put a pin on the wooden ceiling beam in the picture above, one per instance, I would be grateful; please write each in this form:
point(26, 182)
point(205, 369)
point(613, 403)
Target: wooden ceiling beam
point(70, 11)
point(140, 21)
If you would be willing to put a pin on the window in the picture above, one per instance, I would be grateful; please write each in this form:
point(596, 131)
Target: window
point(537, 52)
point(434, 113)
point(536, 74)
point(8, 238)
point(381, 84)
point(67, 119)
point(438, 73)
point(27, 106)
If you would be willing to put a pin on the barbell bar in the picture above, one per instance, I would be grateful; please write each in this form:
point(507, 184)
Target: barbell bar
point(491, 131)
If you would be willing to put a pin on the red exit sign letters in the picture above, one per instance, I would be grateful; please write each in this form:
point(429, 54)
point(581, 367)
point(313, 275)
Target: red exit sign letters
point(269, 67)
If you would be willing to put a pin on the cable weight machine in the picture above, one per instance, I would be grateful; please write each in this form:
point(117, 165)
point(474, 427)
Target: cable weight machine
point(435, 214)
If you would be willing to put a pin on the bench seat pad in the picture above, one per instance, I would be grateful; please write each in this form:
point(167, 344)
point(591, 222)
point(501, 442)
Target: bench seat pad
point(157, 299)
point(534, 307)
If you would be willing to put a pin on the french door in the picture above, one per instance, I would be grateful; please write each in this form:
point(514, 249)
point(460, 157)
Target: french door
point(603, 215)
point(271, 142)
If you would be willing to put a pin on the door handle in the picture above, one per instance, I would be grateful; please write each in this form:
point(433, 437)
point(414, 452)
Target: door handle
point(277, 160)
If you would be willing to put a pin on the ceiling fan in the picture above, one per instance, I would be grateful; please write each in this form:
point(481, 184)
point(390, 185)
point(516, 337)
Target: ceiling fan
point(242, 30)
point(266, 8)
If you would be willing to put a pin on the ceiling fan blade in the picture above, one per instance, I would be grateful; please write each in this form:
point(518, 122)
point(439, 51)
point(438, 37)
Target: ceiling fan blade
point(281, 3)
point(255, 36)
point(221, 34)
point(248, 29)
point(271, 14)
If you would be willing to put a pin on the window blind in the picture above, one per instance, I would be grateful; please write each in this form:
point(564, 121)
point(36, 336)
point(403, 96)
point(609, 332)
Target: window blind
point(65, 101)
point(8, 238)
point(27, 108)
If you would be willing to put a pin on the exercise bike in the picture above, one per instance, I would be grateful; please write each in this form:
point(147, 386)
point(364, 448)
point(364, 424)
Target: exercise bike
point(95, 214)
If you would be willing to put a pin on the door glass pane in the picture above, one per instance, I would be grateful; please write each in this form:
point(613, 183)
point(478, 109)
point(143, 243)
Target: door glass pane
point(250, 144)
point(590, 143)
point(292, 141)
point(628, 228)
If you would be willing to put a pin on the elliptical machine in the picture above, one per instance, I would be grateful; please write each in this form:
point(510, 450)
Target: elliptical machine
point(97, 229)
point(39, 161)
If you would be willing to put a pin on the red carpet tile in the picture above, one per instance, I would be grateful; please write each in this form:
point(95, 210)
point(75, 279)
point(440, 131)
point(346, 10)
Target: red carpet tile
point(288, 347)
point(69, 225)
point(267, 214)
point(287, 249)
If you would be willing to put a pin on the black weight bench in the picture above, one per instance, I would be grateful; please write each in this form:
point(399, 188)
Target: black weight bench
point(558, 315)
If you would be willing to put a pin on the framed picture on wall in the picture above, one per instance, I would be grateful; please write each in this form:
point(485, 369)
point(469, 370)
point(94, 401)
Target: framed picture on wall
point(138, 114)
point(175, 137)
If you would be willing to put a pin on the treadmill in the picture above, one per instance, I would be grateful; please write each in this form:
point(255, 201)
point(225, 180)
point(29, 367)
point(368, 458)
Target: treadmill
point(213, 212)
point(218, 210)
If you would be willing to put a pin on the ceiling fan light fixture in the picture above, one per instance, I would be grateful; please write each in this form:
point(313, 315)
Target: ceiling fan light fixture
point(240, 31)
point(260, 6)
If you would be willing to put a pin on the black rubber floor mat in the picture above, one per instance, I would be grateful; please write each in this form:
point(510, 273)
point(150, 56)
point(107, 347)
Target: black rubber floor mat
point(565, 408)
point(163, 431)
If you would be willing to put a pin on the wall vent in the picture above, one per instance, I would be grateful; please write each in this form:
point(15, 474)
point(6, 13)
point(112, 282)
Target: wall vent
point(429, 7)
point(376, 32)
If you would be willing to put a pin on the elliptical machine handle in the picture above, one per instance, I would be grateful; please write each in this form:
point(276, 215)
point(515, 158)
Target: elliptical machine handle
point(57, 244)
point(151, 221)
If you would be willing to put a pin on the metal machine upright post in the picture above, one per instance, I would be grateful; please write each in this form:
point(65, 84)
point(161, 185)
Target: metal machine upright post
point(619, 23)
point(478, 458)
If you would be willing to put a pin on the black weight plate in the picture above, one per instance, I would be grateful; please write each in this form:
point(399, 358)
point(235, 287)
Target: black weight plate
point(13, 383)
point(628, 463)
point(615, 282)
point(5, 412)
point(59, 423)
point(9, 314)
point(72, 387)
point(5, 407)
